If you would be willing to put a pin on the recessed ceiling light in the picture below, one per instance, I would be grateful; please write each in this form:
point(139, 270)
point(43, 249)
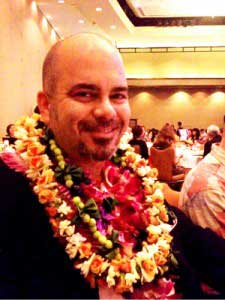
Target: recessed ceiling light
point(113, 26)
point(98, 9)
point(137, 4)
point(81, 21)
point(61, 1)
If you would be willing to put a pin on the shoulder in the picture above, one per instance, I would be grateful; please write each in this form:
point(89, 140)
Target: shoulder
point(16, 198)
point(13, 185)
point(8, 175)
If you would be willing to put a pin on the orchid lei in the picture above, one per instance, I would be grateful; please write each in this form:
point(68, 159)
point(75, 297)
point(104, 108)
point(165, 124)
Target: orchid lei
point(117, 233)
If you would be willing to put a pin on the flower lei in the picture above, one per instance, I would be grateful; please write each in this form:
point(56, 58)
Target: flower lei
point(117, 233)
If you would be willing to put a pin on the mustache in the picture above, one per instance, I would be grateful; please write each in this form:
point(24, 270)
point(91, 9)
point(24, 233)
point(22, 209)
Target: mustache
point(92, 126)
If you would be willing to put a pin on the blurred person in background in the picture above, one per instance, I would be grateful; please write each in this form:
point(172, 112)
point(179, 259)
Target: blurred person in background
point(203, 192)
point(203, 136)
point(195, 134)
point(214, 136)
point(138, 141)
point(9, 137)
point(179, 126)
point(165, 139)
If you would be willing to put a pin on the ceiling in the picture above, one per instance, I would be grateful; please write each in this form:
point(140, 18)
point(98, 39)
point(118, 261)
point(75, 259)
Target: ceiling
point(75, 16)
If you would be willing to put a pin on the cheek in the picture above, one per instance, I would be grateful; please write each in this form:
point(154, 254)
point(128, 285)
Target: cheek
point(65, 113)
point(54, 114)
point(125, 114)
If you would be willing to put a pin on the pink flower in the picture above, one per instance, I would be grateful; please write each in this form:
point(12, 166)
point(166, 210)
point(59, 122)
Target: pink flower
point(163, 289)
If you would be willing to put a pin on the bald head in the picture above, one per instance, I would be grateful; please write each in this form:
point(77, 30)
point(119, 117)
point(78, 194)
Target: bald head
point(85, 97)
point(76, 46)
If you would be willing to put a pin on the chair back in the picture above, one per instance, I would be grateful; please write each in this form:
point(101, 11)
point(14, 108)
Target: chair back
point(163, 160)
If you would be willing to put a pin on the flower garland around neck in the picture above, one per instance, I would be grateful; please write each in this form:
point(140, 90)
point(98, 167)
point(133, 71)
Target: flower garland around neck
point(117, 233)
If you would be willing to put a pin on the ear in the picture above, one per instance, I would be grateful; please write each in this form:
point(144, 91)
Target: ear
point(43, 105)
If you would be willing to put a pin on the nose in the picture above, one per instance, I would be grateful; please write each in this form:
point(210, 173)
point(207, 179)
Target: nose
point(104, 109)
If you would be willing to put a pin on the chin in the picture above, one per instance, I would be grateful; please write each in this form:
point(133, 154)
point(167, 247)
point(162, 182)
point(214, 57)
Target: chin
point(101, 155)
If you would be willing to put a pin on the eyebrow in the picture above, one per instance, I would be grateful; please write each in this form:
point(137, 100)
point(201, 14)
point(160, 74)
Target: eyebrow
point(120, 89)
point(83, 86)
point(96, 88)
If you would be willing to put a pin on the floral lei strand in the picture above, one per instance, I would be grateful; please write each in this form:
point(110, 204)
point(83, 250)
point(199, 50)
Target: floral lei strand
point(100, 255)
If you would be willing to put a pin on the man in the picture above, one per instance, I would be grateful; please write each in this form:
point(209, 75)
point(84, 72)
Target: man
point(203, 192)
point(213, 134)
point(84, 102)
point(179, 126)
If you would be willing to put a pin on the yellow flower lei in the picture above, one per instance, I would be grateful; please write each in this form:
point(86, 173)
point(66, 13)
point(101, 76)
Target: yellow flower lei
point(121, 271)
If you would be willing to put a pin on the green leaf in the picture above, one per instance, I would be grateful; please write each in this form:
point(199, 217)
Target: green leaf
point(76, 220)
point(109, 204)
point(91, 208)
point(114, 236)
point(49, 133)
point(112, 254)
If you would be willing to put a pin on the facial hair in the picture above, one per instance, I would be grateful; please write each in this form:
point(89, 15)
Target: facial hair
point(104, 152)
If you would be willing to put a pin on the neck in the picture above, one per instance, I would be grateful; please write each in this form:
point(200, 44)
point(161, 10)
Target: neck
point(92, 167)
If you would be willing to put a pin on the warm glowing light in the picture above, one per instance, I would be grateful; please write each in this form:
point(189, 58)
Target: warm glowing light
point(144, 97)
point(113, 27)
point(60, 1)
point(218, 96)
point(178, 8)
point(49, 17)
point(137, 4)
point(53, 36)
point(180, 97)
point(44, 23)
point(81, 21)
point(98, 9)
point(34, 7)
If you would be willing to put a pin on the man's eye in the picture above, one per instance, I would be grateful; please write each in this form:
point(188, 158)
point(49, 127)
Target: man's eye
point(83, 95)
point(119, 96)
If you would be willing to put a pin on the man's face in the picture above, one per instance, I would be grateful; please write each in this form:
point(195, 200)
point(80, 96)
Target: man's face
point(89, 110)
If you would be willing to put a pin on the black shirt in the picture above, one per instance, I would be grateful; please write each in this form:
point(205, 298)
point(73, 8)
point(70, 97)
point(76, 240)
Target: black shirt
point(33, 264)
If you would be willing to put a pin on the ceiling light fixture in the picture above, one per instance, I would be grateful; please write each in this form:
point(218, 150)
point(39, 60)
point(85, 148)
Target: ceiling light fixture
point(81, 21)
point(98, 9)
point(113, 26)
point(137, 4)
point(61, 1)
point(34, 6)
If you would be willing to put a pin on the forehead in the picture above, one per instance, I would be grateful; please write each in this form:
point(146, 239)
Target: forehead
point(97, 67)
point(77, 56)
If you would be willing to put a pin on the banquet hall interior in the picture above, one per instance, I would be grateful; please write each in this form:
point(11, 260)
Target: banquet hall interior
point(173, 51)
point(174, 57)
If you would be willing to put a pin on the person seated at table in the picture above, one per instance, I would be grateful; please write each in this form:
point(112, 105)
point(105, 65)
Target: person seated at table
point(138, 141)
point(9, 137)
point(179, 126)
point(214, 136)
point(163, 155)
point(151, 135)
point(203, 136)
point(195, 134)
point(203, 192)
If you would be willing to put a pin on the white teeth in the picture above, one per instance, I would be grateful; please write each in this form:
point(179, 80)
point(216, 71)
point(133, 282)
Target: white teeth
point(104, 130)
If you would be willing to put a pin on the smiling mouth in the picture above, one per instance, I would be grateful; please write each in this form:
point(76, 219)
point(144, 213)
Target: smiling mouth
point(102, 129)
point(102, 141)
